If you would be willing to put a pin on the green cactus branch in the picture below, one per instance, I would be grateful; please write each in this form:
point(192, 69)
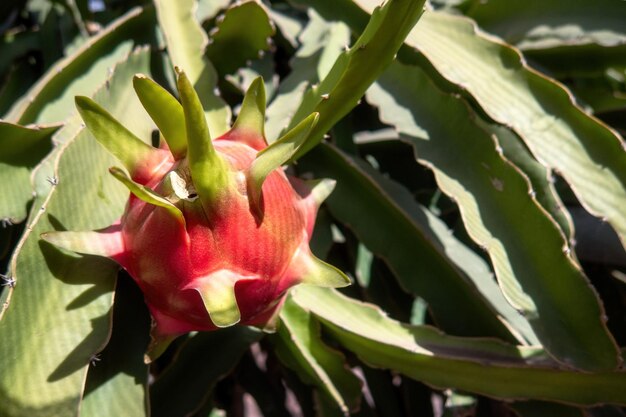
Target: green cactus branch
point(188, 281)
point(340, 91)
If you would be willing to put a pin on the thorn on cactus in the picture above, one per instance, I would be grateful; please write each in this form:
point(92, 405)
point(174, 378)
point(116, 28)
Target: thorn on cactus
point(95, 358)
point(7, 281)
point(214, 232)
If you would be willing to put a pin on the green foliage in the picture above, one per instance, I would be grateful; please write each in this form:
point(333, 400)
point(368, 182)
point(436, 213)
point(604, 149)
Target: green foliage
point(186, 42)
point(468, 170)
point(21, 149)
point(62, 306)
point(230, 46)
point(525, 246)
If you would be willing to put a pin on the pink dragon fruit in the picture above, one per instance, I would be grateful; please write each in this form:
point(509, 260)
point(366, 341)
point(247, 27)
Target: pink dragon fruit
point(214, 232)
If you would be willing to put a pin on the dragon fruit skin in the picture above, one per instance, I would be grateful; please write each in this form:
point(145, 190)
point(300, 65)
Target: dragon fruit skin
point(214, 232)
point(261, 256)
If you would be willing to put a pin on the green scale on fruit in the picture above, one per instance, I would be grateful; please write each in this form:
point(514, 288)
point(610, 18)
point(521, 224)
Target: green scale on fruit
point(214, 232)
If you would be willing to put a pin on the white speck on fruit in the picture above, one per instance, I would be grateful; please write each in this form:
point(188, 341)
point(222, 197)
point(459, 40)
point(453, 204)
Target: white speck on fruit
point(240, 179)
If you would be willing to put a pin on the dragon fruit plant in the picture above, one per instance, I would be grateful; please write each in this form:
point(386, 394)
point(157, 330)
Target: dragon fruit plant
point(215, 232)
point(307, 208)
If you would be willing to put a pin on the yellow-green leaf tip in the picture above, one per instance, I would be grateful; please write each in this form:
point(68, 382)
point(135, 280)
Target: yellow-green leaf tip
point(210, 172)
point(252, 114)
point(218, 295)
point(166, 112)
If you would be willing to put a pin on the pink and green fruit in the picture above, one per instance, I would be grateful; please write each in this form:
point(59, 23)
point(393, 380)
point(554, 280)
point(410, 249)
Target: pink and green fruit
point(214, 232)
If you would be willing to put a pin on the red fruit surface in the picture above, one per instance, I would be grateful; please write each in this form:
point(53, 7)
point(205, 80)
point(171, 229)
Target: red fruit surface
point(169, 260)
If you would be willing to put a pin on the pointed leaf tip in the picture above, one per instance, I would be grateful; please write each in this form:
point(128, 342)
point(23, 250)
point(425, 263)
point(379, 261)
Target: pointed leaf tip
point(276, 155)
point(218, 295)
point(131, 151)
point(252, 115)
point(146, 194)
point(319, 273)
point(165, 111)
point(210, 172)
point(108, 242)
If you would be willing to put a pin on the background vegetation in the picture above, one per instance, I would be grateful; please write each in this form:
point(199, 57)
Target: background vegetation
point(480, 207)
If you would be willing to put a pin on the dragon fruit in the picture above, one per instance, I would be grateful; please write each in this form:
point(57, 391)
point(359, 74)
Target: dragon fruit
point(214, 232)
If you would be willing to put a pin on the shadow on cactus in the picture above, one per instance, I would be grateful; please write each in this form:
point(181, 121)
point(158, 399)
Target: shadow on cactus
point(214, 233)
